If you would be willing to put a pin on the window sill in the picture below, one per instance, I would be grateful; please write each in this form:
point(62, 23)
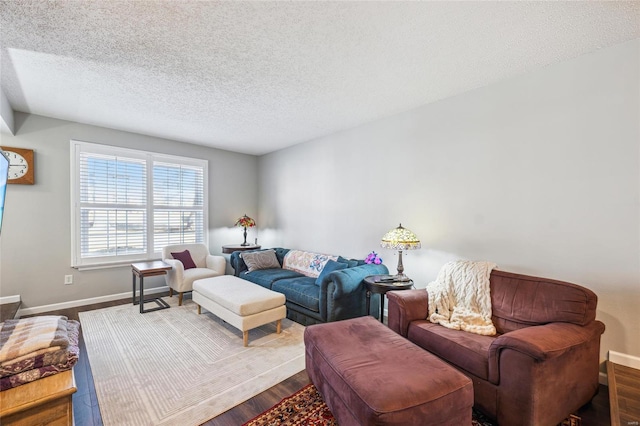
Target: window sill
point(92, 267)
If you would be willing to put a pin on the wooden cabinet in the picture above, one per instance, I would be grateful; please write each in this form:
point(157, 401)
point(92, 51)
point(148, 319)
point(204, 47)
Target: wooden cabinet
point(43, 401)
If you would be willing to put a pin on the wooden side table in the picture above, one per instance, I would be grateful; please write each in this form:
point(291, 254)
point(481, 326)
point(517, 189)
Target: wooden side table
point(381, 284)
point(239, 247)
point(148, 269)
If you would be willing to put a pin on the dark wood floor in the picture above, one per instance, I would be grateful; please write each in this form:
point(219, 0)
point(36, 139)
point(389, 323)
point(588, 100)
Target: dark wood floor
point(261, 403)
point(8, 311)
point(87, 412)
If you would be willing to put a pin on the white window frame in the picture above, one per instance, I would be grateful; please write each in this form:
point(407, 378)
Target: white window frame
point(76, 148)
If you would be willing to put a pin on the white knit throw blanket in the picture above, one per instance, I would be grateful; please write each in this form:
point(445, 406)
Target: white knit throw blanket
point(460, 297)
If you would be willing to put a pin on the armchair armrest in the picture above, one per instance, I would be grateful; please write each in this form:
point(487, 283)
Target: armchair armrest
point(542, 342)
point(217, 263)
point(406, 306)
point(342, 292)
point(237, 263)
point(176, 274)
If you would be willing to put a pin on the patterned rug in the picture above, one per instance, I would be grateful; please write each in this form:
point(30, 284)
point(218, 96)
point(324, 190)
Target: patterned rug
point(175, 367)
point(306, 407)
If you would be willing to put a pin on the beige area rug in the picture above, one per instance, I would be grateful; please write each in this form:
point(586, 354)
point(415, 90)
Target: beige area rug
point(175, 367)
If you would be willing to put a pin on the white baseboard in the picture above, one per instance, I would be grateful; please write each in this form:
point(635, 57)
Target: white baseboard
point(603, 379)
point(624, 359)
point(83, 302)
point(9, 299)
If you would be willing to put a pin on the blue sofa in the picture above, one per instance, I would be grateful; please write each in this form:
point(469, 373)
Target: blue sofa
point(340, 294)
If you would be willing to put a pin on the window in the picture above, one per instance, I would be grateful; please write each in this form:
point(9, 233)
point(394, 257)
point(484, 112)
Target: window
point(128, 204)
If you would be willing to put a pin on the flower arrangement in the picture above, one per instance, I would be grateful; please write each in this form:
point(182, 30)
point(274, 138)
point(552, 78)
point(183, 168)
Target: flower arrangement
point(373, 258)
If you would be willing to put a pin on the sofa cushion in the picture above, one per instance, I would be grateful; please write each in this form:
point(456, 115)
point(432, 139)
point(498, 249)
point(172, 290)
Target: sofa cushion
point(351, 263)
point(193, 274)
point(185, 258)
point(302, 291)
point(520, 301)
point(331, 266)
point(306, 262)
point(265, 277)
point(467, 351)
point(264, 259)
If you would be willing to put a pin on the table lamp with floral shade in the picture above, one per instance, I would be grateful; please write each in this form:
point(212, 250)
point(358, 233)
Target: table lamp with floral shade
point(245, 222)
point(400, 239)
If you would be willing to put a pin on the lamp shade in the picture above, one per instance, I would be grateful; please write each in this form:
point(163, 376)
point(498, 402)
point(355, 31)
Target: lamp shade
point(400, 238)
point(245, 222)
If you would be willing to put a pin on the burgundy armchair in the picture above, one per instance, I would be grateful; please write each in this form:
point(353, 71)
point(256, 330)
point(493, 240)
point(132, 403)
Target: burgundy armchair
point(541, 366)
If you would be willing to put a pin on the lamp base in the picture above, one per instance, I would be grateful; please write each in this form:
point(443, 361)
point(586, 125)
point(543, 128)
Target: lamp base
point(245, 238)
point(400, 266)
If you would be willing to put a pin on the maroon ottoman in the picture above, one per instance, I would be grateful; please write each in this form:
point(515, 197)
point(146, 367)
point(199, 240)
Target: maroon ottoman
point(369, 375)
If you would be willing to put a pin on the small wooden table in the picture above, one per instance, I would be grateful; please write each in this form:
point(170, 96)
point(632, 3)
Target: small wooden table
point(43, 401)
point(381, 284)
point(148, 269)
point(239, 247)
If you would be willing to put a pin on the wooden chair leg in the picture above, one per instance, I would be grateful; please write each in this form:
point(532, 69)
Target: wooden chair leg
point(278, 326)
point(170, 292)
point(180, 298)
point(245, 338)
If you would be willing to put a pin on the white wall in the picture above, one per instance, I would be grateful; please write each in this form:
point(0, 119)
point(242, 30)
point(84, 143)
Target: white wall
point(539, 173)
point(36, 234)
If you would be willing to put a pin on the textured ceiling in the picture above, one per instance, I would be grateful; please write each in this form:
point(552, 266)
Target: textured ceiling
point(255, 77)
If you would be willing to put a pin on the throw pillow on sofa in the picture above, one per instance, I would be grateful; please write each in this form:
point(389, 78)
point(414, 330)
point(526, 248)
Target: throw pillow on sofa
point(306, 263)
point(351, 263)
point(265, 259)
point(185, 258)
point(329, 267)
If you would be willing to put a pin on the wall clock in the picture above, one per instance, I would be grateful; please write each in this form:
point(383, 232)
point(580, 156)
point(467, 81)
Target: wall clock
point(20, 165)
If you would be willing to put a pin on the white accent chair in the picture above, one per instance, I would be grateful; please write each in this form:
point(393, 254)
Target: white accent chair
point(181, 280)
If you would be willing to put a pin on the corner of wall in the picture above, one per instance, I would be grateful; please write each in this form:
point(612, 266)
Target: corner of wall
point(7, 124)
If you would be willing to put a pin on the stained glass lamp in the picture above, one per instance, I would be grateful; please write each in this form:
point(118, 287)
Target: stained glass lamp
point(400, 239)
point(245, 222)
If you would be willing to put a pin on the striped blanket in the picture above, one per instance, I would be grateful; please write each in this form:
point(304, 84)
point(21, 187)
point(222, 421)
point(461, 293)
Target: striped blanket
point(33, 348)
point(23, 337)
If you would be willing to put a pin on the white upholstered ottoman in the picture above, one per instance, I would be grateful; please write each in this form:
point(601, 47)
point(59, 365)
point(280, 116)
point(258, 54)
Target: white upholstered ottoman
point(241, 303)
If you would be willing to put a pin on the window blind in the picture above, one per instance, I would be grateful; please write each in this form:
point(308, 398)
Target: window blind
point(113, 203)
point(177, 204)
